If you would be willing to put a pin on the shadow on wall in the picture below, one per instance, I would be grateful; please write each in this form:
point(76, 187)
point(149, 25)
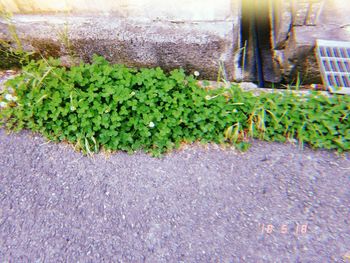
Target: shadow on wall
point(257, 61)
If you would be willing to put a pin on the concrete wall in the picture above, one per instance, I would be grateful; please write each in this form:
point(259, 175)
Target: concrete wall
point(180, 10)
point(193, 34)
point(197, 35)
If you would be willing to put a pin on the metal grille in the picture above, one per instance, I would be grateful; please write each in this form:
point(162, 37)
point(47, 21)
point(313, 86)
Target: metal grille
point(334, 61)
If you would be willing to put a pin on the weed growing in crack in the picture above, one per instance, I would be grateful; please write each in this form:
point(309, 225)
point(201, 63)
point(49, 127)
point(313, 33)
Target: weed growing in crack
point(13, 55)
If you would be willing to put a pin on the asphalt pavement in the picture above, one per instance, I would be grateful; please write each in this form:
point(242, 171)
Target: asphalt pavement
point(273, 203)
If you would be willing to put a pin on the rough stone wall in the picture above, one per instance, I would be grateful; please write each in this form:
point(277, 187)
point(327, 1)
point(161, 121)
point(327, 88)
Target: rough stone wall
point(135, 9)
point(196, 35)
point(297, 24)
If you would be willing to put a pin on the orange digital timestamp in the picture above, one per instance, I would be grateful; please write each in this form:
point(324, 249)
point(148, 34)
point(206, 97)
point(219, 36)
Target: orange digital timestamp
point(300, 229)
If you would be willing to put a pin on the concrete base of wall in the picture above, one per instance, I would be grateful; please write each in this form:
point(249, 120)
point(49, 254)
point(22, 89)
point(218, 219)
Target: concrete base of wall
point(194, 46)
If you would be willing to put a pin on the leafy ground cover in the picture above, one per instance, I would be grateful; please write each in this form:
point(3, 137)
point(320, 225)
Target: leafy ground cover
point(100, 105)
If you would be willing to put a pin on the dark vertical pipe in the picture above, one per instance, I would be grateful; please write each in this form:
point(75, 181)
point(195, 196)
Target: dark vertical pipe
point(257, 53)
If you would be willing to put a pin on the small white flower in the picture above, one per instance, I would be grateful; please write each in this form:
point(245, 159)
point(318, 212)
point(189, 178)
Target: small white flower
point(3, 104)
point(72, 108)
point(196, 73)
point(151, 124)
point(8, 97)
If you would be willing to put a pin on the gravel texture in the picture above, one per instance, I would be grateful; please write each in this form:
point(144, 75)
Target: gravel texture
point(199, 204)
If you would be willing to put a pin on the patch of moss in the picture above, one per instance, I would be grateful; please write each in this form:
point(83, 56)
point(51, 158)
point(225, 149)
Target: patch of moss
point(9, 58)
point(47, 48)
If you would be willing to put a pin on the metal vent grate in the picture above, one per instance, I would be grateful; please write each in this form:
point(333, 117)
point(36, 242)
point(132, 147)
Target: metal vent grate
point(334, 61)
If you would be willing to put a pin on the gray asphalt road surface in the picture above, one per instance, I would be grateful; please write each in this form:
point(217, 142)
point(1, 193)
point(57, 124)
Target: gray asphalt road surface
point(274, 203)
